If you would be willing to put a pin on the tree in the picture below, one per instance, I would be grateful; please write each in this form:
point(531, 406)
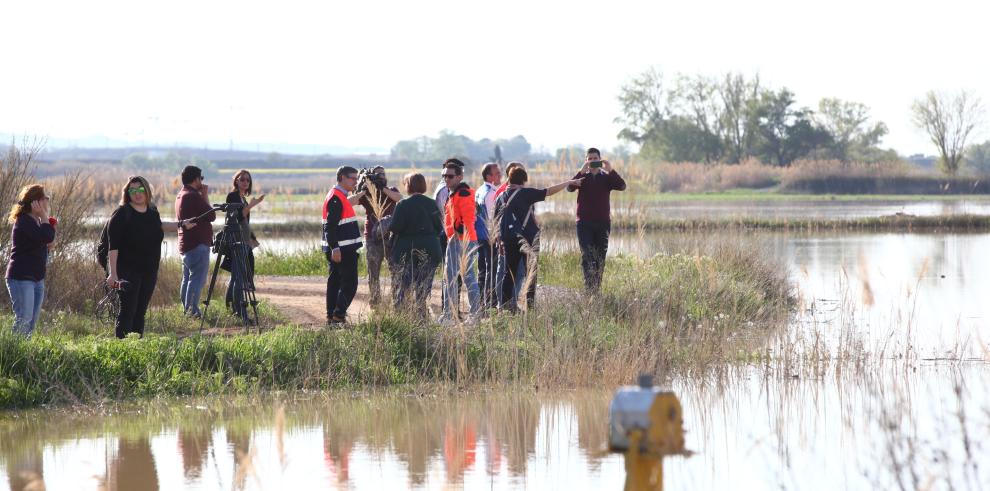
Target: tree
point(735, 92)
point(978, 158)
point(786, 134)
point(948, 121)
point(853, 137)
point(644, 109)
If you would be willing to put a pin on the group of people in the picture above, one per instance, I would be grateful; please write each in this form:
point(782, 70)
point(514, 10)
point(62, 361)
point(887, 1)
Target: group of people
point(133, 241)
point(485, 239)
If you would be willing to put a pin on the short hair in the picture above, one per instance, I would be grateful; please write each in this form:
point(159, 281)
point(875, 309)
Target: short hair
point(593, 150)
point(238, 174)
point(458, 168)
point(415, 183)
point(487, 169)
point(345, 170)
point(125, 197)
point(190, 173)
point(515, 164)
point(518, 176)
point(454, 161)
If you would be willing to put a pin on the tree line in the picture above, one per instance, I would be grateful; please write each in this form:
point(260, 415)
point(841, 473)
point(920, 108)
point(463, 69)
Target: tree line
point(733, 117)
point(449, 144)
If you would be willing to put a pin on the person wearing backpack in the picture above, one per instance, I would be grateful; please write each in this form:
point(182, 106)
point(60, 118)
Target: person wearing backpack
point(416, 226)
point(33, 231)
point(134, 236)
point(519, 232)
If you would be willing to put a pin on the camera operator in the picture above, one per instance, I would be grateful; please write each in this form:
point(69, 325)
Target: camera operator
point(194, 244)
point(243, 185)
point(593, 214)
point(341, 242)
point(380, 248)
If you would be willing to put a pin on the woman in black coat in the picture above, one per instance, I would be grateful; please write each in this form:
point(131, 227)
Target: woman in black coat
point(243, 185)
point(417, 227)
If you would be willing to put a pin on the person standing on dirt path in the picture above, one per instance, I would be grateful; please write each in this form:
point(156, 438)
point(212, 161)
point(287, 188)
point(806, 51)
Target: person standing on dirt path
point(341, 242)
point(462, 237)
point(193, 201)
point(377, 246)
point(593, 214)
point(487, 255)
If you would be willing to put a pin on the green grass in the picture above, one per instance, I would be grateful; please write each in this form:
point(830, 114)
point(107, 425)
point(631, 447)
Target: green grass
point(671, 314)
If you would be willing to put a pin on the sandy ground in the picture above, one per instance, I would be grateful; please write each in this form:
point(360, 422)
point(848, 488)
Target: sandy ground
point(303, 298)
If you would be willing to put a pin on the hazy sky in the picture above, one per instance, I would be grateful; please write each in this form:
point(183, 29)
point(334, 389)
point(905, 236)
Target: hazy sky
point(367, 73)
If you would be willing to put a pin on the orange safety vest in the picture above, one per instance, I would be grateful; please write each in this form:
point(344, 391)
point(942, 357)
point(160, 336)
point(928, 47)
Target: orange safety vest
point(348, 233)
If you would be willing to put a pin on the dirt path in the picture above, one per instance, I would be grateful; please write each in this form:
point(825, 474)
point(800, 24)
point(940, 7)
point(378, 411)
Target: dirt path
point(303, 298)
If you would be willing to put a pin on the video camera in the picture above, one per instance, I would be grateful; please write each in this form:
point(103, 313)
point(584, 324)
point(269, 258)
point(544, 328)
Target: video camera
point(368, 177)
point(228, 207)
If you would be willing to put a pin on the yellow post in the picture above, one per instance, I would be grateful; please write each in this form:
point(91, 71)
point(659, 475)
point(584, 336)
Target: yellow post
point(646, 424)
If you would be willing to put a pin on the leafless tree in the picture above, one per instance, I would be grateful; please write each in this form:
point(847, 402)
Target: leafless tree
point(948, 120)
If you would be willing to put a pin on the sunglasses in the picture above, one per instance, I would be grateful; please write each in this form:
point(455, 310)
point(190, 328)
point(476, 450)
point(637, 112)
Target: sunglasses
point(133, 191)
point(449, 176)
point(244, 179)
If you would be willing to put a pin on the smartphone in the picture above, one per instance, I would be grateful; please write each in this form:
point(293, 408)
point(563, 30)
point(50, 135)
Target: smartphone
point(594, 164)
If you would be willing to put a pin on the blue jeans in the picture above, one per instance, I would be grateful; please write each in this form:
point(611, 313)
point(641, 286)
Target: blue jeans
point(26, 297)
point(195, 266)
point(453, 270)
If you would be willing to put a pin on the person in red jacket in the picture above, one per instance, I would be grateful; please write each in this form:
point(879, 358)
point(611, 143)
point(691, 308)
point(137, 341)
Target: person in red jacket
point(462, 243)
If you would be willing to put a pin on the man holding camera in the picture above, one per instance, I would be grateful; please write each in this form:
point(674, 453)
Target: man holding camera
point(594, 214)
point(341, 242)
point(377, 245)
point(192, 201)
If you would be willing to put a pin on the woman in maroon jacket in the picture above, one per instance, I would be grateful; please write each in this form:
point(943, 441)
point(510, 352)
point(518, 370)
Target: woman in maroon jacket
point(33, 231)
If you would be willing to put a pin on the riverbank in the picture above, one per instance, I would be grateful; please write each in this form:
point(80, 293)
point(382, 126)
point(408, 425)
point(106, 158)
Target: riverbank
point(669, 314)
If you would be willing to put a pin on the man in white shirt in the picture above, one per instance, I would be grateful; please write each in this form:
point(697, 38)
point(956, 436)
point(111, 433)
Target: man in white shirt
point(485, 198)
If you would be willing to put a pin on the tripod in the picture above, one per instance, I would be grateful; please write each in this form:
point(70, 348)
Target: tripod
point(230, 245)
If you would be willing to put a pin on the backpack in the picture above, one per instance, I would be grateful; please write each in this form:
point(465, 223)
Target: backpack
point(103, 246)
point(510, 225)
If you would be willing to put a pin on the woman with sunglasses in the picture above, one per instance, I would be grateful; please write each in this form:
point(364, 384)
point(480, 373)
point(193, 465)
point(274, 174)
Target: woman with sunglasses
point(32, 234)
point(243, 185)
point(135, 234)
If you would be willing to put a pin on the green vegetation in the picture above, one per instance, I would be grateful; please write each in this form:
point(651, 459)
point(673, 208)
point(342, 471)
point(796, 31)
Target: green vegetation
point(672, 314)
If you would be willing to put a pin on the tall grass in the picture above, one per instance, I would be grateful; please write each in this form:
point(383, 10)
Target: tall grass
point(669, 314)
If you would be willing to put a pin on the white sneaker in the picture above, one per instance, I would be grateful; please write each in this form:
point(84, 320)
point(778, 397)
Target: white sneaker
point(445, 320)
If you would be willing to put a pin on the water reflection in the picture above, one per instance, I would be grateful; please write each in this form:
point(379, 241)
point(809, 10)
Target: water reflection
point(924, 426)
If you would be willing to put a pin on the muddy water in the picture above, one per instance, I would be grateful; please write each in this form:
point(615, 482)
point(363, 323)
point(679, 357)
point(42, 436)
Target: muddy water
point(860, 431)
point(884, 424)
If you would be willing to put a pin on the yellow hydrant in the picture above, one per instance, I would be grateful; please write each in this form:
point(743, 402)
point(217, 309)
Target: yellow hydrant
point(646, 424)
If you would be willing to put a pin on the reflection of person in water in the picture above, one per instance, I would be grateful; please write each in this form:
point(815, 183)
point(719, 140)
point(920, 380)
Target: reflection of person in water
point(25, 469)
point(239, 442)
point(133, 467)
point(459, 443)
point(194, 443)
point(337, 454)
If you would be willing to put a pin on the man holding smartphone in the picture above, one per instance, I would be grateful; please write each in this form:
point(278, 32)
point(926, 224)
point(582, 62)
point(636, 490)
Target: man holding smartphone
point(594, 222)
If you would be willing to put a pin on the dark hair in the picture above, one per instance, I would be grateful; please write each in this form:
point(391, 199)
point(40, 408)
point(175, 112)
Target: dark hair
point(513, 165)
point(28, 195)
point(125, 197)
point(453, 161)
point(238, 174)
point(518, 176)
point(345, 170)
point(458, 168)
point(487, 169)
point(190, 173)
point(415, 183)
point(593, 150)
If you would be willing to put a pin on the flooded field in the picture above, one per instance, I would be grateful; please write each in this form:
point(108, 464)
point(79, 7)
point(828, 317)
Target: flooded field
point(888, 390)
